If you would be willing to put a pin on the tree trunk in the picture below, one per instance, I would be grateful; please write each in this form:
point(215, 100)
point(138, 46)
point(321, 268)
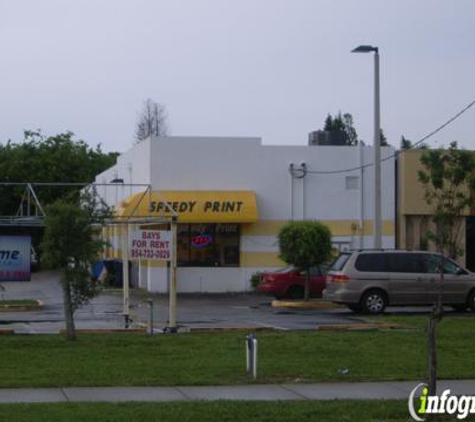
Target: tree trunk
point(306, 294)
point(435, 317)
point(68, 311)
point(431, 347)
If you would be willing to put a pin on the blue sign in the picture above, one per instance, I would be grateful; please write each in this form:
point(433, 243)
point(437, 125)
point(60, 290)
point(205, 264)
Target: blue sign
point(15, 258)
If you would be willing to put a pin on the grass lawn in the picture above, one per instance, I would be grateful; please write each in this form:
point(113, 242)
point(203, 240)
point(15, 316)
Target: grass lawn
point(219, 358)
point(222, 411)
point(23, 302)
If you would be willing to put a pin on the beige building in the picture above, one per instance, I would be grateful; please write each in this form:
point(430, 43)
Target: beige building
point(414, 217)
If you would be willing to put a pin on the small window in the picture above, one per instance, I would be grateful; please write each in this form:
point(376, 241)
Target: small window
point(340, 262)
point(433, 263)
point(372, 262)
point(407, 263)
point(450, 267)
point(351, 182)
point(315, 271)
point(208, 245)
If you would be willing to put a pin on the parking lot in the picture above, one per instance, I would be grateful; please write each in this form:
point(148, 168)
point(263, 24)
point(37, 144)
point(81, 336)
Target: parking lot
point(194, 311)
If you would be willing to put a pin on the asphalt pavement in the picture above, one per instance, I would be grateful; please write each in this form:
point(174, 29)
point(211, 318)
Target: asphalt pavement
point(247, 311)
point(194, 311)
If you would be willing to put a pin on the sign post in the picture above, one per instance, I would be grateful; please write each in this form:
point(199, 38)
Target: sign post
point(125, 273)
point(158, 245)
point(173, 283)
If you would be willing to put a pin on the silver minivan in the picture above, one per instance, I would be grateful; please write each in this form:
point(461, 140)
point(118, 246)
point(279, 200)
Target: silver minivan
point(369, 280)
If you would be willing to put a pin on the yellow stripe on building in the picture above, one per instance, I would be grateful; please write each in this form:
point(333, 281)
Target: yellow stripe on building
point(337, 227)
point(261, 259)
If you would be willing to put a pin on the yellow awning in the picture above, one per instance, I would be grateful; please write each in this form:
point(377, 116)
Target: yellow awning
point(193, 206)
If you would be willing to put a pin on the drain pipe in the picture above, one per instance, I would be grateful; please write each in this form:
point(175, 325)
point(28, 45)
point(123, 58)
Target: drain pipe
point(291, 171)
point(304, 173)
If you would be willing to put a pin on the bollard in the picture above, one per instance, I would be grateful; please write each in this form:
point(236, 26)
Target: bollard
point(150, 317)
point(251, 355)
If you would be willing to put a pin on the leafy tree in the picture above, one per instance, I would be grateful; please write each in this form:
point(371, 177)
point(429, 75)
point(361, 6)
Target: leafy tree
point(152, 120)
point(447, 177)
point(305, 244)
point(407, 144)
point(48, 159)
point(352, 136)
point(344, 124)
point(383, 139)
point(334, 124)
point(71, 243)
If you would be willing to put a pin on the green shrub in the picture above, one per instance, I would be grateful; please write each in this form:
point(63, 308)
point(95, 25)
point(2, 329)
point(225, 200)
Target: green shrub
point(255, 279)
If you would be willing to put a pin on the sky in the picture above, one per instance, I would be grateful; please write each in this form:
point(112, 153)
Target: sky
point(263, 68)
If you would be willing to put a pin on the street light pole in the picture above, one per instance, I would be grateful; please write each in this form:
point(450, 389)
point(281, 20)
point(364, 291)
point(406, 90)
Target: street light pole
point(377, 223)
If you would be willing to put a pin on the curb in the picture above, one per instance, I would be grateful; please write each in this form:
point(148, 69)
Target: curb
point(106, 331)
point(21, 308)
point(305, 304)
point(207, 330)
point(231, 329)
point(362, 327)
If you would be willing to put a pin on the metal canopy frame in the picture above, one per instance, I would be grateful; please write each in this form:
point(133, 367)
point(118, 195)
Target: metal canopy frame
point(31, 214)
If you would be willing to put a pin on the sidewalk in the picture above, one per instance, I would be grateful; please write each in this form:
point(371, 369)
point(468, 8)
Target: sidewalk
point(320, 391)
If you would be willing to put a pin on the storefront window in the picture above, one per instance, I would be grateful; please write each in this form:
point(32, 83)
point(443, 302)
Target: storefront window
point(208, 245)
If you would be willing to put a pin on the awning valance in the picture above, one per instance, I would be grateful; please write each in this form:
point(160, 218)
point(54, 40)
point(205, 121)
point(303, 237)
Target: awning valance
point(193, 206)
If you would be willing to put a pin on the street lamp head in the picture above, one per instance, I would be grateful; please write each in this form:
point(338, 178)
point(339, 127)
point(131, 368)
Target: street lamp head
point(365, 49)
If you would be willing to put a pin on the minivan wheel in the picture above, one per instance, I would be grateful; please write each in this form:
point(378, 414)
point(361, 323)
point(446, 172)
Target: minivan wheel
point(373, 302)
point(471, 300)
point(295, 292)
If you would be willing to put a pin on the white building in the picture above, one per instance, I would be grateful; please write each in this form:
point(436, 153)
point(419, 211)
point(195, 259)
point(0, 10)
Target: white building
point(233, 194)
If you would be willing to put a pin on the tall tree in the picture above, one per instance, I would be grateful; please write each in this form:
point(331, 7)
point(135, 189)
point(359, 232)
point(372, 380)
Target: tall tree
point(342, 123)
point(152, 121)
point(405, 143)
point(383, 139)
point(352, 136)
point(71, 243)
point(448, 179)
point(305, 244)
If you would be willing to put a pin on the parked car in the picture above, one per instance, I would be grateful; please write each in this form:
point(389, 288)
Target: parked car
point(289, 282)
point(369, 281)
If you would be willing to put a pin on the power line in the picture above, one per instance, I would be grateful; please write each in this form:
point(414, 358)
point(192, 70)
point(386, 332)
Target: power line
point(453, 118)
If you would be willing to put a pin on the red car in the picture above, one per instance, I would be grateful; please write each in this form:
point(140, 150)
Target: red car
point(289, 282)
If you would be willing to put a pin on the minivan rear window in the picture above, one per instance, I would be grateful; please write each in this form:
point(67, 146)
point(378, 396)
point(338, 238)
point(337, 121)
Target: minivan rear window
point(372, 262)
point(340, 262)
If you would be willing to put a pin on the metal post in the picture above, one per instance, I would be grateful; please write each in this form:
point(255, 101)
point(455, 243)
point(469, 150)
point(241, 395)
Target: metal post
point(173, 281)
point(254, 357)
point(251, 355)
point(377, 156)
point(125, 273)
point(150, 317)
point(361, 204)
